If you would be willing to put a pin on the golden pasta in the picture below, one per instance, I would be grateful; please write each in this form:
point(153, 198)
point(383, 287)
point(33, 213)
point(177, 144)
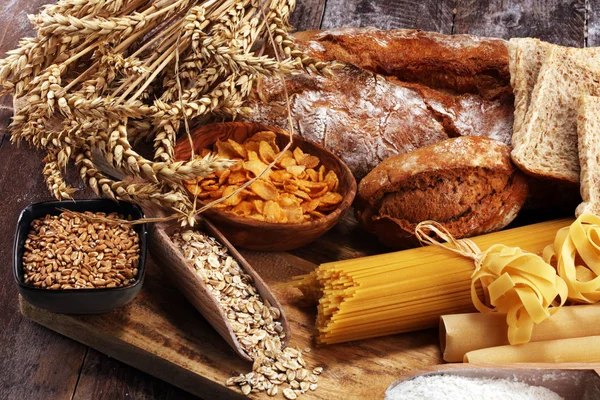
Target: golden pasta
point(581, 349)
point(520, 284)
point(576, 255)
point(462, 333)
point(409, 290)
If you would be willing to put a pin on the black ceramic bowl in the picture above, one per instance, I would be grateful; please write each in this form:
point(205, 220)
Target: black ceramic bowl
point(77, 301)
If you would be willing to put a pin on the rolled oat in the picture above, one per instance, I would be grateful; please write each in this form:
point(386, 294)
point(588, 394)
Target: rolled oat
point(253, 320)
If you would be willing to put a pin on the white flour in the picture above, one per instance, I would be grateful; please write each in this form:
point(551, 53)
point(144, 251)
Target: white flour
point(449, 387)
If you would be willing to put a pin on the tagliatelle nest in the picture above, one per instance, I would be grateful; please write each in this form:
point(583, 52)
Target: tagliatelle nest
point(104, 74)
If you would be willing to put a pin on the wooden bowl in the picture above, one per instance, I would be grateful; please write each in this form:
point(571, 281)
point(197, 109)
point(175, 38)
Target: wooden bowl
point(184, 276)
point(265, 236)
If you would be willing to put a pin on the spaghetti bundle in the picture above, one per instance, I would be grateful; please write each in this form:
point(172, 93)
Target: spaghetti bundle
point(406, 290)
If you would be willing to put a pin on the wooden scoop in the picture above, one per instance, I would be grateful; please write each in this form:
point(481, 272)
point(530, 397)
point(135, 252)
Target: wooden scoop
point(193, 287)
point(572, 381)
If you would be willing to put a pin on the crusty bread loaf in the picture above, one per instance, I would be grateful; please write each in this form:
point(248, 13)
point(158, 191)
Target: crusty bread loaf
point(588, 132)
point(468, 184)
point(364, 118)
point(358, 115)
point(547, 143)
point(459, 63)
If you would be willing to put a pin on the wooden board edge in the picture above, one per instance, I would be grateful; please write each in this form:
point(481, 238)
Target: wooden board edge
point(138, 358)
point(469, 366)
point(569, 380)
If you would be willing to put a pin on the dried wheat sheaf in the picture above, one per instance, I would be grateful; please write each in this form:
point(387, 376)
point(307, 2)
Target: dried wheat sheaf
point(102, 75)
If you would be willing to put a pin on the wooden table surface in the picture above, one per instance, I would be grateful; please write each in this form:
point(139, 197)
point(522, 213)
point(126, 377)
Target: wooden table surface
point(37, 363)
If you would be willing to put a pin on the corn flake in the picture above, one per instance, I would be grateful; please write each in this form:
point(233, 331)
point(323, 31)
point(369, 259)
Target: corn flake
point(256, 167)
point(266, 153)
point(280, 175)
point(238, 149)
point(233, 200)
point(295, 170)
point(332, 181)
point(273, 212)
point(225, 150)
point(310, 161)
point(244, 208)
point(259, 205)
point(293, 191)
point(265, 190)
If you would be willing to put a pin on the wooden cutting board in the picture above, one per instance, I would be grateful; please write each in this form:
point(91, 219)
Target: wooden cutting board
point(162, 334)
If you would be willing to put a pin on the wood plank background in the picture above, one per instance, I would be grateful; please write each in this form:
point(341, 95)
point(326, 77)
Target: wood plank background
point(36, 363)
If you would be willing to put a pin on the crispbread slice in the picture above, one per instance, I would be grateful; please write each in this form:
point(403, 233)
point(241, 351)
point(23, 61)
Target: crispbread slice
point(526, 56)
point(547, 144)
point(588, 134)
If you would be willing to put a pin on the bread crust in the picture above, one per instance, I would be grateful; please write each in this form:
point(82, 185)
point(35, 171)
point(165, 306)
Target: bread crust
point(458, 63)
point(588, 132)
point(468, 184)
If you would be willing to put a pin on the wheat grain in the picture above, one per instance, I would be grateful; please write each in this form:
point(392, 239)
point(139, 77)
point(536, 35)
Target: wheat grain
point(68, 252)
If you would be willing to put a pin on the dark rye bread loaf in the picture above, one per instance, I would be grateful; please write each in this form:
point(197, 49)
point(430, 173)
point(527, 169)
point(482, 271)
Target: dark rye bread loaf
point(468, 184)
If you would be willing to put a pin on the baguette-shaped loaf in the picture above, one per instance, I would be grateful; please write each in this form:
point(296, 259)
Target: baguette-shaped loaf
point(460, 63)
point(367, 113)
point(468, 184)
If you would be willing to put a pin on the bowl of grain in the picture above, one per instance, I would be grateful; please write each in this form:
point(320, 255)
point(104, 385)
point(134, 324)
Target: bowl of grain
point(66, 263)
point(304, 195)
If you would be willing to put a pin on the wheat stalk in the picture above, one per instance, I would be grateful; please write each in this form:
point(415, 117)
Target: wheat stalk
point(102, 75)
point(54, 179)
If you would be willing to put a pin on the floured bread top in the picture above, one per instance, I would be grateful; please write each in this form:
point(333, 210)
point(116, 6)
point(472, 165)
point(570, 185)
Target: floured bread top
point(360, 116)
point(364, 118)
